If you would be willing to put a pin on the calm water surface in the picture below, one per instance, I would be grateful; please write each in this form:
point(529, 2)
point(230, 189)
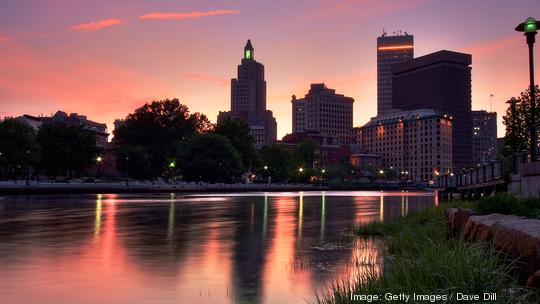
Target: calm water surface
point(174, 248)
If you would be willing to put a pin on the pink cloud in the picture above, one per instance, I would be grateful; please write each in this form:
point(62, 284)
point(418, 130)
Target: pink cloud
point(95, 25)
point(180, 16)
point(36, 82)
point(493, 47)
point(5, 38)
point(209, 78)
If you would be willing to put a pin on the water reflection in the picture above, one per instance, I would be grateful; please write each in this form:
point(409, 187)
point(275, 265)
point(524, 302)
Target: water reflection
point(219, 248)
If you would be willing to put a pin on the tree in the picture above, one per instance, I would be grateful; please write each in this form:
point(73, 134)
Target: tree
point(151, 132)
point(277, 161)
point(209, 158)
point(202, 124)
point(518, 123)
point(66, 149)
point(237, 131)
point(307, 152)
point(19, 150)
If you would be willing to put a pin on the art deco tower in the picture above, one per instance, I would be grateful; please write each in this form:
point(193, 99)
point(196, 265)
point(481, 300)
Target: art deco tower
point(248, 99)
point(390, 50)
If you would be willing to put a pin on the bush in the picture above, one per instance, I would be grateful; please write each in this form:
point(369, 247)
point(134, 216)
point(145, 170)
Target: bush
point(505, 203)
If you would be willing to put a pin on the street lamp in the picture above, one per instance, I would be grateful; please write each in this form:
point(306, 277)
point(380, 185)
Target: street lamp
point(529, 28)
point(172, 164)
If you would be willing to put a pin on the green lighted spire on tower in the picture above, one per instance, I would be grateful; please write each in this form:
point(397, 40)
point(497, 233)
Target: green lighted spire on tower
point(248, 51)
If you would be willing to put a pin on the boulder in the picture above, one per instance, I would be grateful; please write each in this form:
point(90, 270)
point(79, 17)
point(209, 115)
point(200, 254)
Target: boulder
point(481, 227)
point(534, 280)
point(520, 238)
point(457, 218)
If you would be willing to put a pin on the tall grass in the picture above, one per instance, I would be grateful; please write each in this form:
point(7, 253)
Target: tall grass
point(508, 204)
point(424, 259)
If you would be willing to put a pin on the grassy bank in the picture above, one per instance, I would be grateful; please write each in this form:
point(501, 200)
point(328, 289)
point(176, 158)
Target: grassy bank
point(424, 259)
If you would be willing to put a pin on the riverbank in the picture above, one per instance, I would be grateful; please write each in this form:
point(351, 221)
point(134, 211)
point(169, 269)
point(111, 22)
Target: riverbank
point(424, 259)
point(74, 187)
point(79, 187)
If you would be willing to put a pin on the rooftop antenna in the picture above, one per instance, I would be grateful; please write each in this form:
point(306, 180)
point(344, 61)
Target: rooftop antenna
point(491, 102)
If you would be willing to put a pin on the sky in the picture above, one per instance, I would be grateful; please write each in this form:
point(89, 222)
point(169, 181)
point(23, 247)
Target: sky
point(104, 59)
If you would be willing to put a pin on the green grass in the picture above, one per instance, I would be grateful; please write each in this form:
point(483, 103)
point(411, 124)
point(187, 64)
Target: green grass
point(509, 204)
point(424, 259)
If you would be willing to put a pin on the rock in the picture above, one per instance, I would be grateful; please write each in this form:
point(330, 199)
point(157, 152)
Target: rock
point(534, 280)
point(480, 227)
point(451, 217)
point(520, 238)
point(457, 218)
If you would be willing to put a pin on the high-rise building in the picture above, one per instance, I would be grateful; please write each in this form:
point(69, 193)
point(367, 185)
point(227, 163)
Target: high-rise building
point(390, 50)
point(484, 137)
point(417, 144)
point(439, 81)
point(248, 99)
point(323, 111)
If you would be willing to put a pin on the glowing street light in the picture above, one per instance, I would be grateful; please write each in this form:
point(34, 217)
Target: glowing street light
point(301, 170)
point(529, 28)
point(99, 159)
point(265, 167)
point(172, 164)
point(323, 171)
point(381, 172)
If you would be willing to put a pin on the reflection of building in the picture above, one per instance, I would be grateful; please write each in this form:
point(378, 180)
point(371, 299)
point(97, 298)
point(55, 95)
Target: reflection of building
point(329, 149)
point(248, 99)
point(418, 142)
point(323, 111)
point(439, 81)
point(484, 138)
point(99, 129)
point(390, 50)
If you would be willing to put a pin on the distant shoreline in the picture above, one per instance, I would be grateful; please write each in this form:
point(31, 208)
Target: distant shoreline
point(137, 187)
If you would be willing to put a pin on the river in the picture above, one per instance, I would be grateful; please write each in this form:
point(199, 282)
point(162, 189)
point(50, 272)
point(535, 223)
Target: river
point(188, 248)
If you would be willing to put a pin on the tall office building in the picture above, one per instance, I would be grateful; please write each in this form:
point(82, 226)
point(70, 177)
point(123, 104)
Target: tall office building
point(248, 99)
point(439, 81)
point(416, 144)
point(484, 137)
point(390, 50)
point(323, 111)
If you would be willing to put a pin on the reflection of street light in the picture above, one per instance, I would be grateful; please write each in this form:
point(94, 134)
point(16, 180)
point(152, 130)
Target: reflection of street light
point(127, 169)
point(529, 28)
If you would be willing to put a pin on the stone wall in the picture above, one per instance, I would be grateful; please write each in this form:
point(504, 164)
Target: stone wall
point(518, 237)
point(526, 183)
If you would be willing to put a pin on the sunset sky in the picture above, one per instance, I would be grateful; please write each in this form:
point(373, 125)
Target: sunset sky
point(105, 58)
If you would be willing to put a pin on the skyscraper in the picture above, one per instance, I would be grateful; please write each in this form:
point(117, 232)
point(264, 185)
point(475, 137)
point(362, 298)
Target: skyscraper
point(484, 138)
point(439, 81)
point(390, 50)
point(248, 99)
point(323, 111)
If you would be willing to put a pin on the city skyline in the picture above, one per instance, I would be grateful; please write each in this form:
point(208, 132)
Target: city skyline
point(104, 60)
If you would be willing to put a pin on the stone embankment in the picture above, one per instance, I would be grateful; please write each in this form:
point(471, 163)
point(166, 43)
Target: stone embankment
point(516, 236)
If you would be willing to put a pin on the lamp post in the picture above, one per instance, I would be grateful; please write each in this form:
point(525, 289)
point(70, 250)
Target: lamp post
point(529, 28)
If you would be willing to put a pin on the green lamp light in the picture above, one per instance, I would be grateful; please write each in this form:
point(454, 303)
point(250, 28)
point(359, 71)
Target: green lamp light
point(530, 25)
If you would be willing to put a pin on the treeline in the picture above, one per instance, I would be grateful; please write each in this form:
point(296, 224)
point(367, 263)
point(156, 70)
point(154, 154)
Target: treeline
point(162, 139)
point(56, 149)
